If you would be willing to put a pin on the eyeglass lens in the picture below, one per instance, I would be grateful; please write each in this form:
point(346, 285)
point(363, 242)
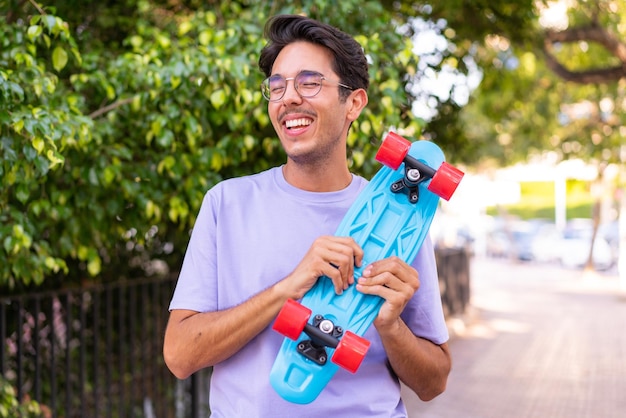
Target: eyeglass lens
point(306, 83)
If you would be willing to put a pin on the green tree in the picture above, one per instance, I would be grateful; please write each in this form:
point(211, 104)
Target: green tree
point(40, 120)
point(118, 115)
point(115, 125)
point(560, 91)
point(468, 27)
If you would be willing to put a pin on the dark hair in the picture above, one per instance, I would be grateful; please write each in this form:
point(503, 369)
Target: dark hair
point(349, 62)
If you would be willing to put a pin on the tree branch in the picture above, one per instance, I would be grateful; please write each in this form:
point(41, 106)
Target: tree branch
point(38, 7)
point(590, 33)
point(595, 76)
point(110, 107)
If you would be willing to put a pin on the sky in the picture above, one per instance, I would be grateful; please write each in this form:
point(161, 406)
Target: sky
point(429, 44)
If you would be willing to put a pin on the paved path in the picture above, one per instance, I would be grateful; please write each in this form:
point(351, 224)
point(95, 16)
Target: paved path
point(539, 341)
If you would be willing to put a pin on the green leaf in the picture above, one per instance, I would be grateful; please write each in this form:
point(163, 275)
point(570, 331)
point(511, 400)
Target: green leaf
point(17, 91)
point(216, 161)
point(51, 22)
point(184, 27)
point(94, 266)
point(249, 142)
point(136, 41)
point(218, 98)
point(34, 32)
point(167, 164)
point(166, 138)
point(18, 125)
point(152, 210)
point(22, 193)
point(29, 152)
point(205, 37)
point(38, 144)
point(109, 175)
point(59, 58)
point(55, 158)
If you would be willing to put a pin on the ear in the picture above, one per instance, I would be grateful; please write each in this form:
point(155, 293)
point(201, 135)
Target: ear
point(356, 102)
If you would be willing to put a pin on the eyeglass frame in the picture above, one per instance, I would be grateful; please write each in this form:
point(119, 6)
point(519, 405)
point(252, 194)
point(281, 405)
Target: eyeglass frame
point(295, 85)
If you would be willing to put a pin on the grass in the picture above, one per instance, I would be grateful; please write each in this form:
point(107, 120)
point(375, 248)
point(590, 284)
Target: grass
point(537, 201)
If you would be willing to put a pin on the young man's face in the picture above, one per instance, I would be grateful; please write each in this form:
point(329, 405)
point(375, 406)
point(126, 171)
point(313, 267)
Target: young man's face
point(310, 129)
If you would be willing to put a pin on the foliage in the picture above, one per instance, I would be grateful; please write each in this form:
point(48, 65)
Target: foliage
point(116, 121)
point(574, 108)
point(10, 406)
point(523, 107)
point(467, 27)
point(40, 122)
point(117, 116)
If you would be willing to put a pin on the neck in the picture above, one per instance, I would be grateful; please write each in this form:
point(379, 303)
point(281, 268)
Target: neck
point(317, 179)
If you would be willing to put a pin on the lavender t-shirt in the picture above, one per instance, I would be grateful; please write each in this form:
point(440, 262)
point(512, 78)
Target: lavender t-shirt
point(252, 232)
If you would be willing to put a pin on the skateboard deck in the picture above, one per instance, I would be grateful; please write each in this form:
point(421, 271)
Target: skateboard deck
point(391, 217)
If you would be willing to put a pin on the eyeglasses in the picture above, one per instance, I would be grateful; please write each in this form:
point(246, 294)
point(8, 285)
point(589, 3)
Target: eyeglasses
point(307, 83)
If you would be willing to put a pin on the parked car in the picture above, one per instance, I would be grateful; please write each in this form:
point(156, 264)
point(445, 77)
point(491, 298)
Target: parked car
point(514, 239)
point(576, 245)
point(571, 246)
point(541, 241)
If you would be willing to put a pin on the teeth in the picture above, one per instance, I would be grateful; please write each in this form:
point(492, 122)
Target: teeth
point(297, 122)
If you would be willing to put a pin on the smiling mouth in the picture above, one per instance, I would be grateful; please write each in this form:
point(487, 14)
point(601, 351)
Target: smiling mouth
point(297, 123)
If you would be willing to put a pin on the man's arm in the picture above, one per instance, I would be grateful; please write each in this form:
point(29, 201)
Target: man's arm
point(422, 365)
point(195, 340)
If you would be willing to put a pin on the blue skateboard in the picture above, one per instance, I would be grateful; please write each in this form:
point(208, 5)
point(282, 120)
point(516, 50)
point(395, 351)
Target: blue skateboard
point(391, 217)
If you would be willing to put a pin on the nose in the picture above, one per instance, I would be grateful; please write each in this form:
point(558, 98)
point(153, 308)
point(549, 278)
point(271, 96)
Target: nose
point(291, 94)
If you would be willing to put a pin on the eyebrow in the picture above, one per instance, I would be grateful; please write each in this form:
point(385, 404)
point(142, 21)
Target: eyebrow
point(300, 72)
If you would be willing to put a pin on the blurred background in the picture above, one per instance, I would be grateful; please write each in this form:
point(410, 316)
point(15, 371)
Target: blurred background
point(116, 116)
point(537, 212)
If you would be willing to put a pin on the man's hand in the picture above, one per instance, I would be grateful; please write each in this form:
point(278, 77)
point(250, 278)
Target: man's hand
point(331, 256)
point(393, 280)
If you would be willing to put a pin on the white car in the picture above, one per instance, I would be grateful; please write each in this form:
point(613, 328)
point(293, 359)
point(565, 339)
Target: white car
point(576, 244)
point(571, 247)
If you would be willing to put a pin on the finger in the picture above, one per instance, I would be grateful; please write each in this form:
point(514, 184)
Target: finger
point(405, 273)
point(334, 271)
point(380, 284)
point(334, 275)
point(343, 255)
point(358, 255)
point(340, 253)
point(343, 264)
point(342, 281)
point(350, 247)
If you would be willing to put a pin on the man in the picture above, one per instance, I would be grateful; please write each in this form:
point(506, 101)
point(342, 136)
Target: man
point(262, 239)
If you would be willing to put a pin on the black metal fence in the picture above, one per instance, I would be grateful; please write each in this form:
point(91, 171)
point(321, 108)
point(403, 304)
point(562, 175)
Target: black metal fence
point(97, 351)
point(90, 352)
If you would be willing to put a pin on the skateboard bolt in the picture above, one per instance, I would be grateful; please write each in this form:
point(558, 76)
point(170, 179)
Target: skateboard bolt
point(326, 326)
point(413, 175)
